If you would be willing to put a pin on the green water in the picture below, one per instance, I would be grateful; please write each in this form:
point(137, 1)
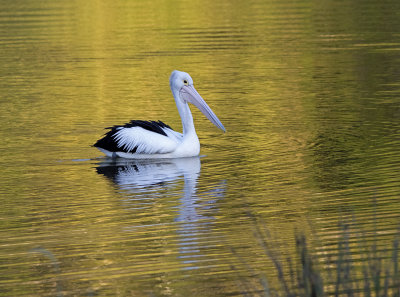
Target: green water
point(309, 94)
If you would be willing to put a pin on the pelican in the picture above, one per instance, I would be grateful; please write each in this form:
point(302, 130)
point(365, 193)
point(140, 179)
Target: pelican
point(154, 139)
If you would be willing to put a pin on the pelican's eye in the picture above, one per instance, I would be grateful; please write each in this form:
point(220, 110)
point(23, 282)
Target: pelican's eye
point(185, 82)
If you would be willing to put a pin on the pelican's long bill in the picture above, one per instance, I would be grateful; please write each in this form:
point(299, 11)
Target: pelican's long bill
point(189, 94)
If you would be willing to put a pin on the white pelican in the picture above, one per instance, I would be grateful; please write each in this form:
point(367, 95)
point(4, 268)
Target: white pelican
point(151, 139)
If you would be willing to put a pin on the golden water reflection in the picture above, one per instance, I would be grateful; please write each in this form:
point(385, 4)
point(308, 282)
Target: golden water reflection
point(308, 93)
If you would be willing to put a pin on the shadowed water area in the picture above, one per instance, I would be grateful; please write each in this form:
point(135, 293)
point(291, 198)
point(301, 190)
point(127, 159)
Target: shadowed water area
point(309, 94)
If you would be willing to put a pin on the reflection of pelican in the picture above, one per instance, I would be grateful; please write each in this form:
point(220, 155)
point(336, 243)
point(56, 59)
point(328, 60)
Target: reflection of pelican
point(135, 174)
point(144, 180)
point(140, 176)
point(150, 139)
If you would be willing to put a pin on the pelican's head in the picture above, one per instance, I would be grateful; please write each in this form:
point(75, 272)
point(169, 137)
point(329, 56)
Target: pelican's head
point(182, 86)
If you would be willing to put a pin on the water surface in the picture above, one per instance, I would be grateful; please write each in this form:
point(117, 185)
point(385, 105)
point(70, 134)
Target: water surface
point(308, 93)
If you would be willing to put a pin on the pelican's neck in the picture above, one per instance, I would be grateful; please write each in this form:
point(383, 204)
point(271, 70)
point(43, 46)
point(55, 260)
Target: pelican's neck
point(185, 114)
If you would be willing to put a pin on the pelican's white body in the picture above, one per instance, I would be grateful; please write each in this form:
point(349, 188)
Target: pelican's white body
point(174, 146)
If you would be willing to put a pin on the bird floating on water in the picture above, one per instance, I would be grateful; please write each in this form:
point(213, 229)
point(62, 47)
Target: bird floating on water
point(154, 139)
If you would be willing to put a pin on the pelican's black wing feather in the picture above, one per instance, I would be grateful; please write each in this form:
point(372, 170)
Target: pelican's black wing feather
point(152, 126)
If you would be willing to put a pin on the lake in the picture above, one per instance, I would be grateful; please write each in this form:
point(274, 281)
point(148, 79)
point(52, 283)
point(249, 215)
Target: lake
point(309, 93)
